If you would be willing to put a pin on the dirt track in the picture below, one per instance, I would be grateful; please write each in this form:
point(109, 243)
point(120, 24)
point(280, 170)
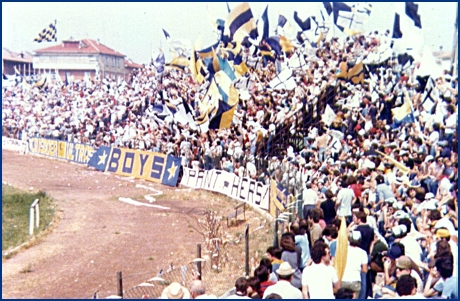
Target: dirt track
point(97, 235)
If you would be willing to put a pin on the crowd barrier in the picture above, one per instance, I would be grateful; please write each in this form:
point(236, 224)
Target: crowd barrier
point(158, 168)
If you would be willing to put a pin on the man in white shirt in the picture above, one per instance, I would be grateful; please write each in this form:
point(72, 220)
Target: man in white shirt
point(357, 262)
point(345, 198)
point(309, 198)
point(283, 287)
point(314, 287)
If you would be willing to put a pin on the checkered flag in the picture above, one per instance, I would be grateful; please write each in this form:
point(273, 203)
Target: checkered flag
point(48, 34)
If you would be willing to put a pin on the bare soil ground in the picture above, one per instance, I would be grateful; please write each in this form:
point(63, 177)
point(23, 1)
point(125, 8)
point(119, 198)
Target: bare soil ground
point(95, 235)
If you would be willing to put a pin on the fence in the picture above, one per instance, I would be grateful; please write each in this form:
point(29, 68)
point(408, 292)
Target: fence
point(217, 281)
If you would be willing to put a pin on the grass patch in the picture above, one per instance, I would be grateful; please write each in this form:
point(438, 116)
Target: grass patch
point(15, 215)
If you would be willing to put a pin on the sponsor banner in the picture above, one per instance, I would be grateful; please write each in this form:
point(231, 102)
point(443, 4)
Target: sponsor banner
point(150, 166)
point(75, 152)
point(14, 144)
point(244, 189)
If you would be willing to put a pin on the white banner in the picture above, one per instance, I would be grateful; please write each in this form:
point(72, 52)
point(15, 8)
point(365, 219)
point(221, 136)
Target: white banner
point(242, 189)
point(14, 145)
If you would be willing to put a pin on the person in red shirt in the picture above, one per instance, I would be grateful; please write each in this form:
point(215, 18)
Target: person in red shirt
point(356, 186)
point(263, 274)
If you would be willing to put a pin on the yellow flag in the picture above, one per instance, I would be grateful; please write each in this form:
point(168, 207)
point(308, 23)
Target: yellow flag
point(341, 254)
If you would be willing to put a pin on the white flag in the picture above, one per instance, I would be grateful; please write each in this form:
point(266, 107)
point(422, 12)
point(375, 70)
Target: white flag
point(284, 80)
point(328, 116)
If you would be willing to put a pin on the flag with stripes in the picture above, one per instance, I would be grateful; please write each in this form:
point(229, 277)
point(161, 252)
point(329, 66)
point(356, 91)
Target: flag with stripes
point(240, 23)
point(226, 68)
point(179, 63)
point(228, 93)
point(356, 73)
point(274, 43)
point(223, 117)
point(212, 64)
point(403, 115)
point(208, 51)
point(240, 66)
point(42, 84)
point(48, 34)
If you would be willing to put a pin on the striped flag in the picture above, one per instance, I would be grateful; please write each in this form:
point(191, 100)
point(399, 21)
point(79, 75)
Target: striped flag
point(48, 34)
point(42, 84)
point(212, 64)
point(179, 63)
point(224, 116)
point(207, 52)
point(403, 115)
point(228, 93)
point(356, 74)
point(240, 23)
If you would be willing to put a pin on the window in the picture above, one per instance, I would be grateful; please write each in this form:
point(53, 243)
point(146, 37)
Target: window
point(113, 62)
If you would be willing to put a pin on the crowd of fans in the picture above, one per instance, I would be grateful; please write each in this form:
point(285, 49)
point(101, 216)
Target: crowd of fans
point(395, 184)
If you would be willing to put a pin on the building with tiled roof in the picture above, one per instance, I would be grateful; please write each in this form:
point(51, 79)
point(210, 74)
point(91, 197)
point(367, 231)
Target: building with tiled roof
point(22, 61)
point(80, 59)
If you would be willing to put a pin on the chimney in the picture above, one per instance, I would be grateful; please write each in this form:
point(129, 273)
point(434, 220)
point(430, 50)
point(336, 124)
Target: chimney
point(98, 41)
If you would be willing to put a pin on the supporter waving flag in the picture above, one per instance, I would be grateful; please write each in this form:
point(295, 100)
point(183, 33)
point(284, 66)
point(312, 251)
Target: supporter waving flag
point(239, 24)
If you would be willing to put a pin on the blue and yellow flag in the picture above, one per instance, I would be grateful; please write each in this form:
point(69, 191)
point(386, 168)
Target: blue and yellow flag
point(240, 23)
point(403, 115)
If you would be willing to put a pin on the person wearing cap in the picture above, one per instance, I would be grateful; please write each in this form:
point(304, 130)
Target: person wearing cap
point(314, 287)
point(444, 234)
point(283, 287)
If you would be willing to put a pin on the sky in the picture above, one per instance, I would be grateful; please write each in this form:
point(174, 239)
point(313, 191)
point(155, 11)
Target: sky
point(135, 29)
